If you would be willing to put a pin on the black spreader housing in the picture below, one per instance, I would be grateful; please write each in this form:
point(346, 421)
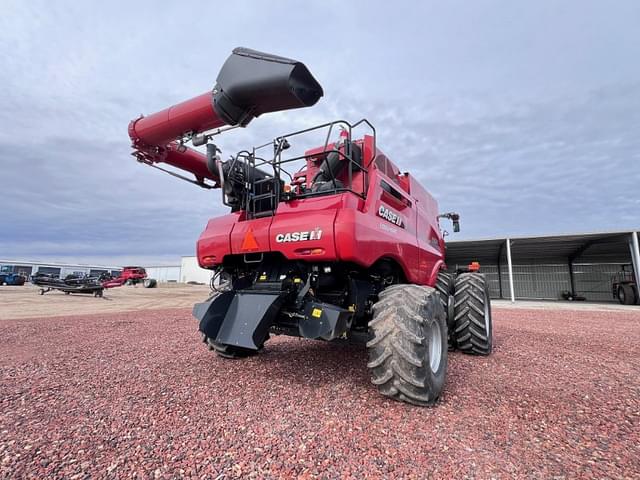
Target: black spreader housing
point(251, 83)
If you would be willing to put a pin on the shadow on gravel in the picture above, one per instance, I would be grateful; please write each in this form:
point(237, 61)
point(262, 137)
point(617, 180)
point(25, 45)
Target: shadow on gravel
point(306, 362)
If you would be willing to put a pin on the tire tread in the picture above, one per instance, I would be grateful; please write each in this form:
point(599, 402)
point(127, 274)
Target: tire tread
point(398, 349)
point(470, 332)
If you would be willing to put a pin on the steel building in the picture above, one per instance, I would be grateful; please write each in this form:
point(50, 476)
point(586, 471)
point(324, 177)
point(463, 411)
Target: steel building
point(579, 265)
point(28, 268)
point(164, 273)
point(187, 271)
point(190, 271)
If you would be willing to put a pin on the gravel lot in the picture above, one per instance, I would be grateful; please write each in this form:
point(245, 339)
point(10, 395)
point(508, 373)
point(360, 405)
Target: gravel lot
point(25, 302)
point(137, 394)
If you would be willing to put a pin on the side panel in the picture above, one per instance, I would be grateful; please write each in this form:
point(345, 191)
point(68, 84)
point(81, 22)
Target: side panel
point(385, 228)
point(251, 236)
point(214, 243)
point(303, 229)
point(431, 255)
point(430, 243)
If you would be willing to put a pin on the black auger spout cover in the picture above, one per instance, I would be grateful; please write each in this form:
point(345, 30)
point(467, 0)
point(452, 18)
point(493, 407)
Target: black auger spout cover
point(251, 83)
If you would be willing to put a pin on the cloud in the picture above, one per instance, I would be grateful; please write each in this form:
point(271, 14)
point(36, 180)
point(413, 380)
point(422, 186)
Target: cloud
point(523, 119)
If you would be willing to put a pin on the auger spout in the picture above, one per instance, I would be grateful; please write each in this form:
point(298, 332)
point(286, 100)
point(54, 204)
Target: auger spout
point(249, 84)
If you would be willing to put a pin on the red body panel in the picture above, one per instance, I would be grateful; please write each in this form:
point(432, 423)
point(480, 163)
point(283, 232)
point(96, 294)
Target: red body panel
point(251, 236)
point(391, 223)
point(214, 243)
point(307, 215)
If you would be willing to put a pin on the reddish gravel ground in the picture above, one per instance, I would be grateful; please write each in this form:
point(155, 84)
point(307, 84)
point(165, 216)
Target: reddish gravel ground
point(137, 394)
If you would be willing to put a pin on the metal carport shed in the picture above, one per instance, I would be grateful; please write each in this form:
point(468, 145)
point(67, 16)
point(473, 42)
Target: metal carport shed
point(580, 265)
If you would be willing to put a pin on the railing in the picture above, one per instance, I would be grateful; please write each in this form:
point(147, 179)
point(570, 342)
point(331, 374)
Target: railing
point(262, 195)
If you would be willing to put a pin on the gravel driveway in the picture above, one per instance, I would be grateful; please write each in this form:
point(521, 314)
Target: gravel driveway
point(136, 393)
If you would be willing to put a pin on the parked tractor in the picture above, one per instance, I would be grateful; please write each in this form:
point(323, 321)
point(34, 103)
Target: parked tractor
point(624, 287)
point(328, 244)
point(11, 278)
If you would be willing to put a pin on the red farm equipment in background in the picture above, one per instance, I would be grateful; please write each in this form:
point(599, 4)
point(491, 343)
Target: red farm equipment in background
point(329, 242)
point(130, 276)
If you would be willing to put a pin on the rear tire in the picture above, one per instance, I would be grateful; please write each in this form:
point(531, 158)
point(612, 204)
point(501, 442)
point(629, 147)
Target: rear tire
point(627, 294)
point(149, 283)
point(444, 285)
point(473, 329)
point(408, 348)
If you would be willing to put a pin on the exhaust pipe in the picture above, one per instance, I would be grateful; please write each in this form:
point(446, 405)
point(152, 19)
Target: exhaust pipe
point(249, 84)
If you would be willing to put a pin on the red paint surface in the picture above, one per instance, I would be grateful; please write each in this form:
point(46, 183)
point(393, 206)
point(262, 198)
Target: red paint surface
point(352, 229)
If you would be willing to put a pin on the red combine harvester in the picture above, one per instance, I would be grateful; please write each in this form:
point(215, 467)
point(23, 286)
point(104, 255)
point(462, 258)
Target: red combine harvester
point(130, 276)
point(332, 243)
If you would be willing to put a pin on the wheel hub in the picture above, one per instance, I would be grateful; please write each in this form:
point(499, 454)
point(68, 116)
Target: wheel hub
point(435, 346)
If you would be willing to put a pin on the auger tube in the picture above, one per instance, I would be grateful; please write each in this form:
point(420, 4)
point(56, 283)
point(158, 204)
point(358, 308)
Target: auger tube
point(249, 84)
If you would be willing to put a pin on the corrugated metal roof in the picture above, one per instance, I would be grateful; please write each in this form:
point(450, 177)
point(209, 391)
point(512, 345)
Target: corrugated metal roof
point(56, 264)
point(596, 247)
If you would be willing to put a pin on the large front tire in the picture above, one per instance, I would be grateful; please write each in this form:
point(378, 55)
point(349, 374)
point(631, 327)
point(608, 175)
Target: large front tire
point(473, 328)
point(408, 348)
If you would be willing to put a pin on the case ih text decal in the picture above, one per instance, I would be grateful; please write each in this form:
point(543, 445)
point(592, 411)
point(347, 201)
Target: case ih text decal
point(299, 236)
point(390, 216)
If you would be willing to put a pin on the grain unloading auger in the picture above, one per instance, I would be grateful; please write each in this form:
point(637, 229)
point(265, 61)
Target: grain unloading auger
point(249, 84)
point(334, 243)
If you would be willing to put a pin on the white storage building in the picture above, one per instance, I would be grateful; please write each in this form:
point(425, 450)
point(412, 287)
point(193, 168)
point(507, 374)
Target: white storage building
point(190, 271)
point(164, 273)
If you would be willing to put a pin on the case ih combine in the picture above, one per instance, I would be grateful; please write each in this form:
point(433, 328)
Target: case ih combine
point(332, 243)
point(130, 276)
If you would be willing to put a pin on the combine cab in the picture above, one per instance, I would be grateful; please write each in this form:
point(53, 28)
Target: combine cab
point(327, 243)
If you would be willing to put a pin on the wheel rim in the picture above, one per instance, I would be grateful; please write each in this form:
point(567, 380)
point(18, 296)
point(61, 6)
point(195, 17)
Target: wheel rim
point(435, 346)
point(487, 314)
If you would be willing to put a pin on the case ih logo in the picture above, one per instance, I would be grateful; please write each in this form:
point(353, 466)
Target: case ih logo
point(390, 216)
point(299, 236)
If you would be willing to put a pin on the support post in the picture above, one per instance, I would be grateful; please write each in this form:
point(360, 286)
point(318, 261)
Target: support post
point(571, 279)
point(635, 257)
point(513, 295)
point(499, 262)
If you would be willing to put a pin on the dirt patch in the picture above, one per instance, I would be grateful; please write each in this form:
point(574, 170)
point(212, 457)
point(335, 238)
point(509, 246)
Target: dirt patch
point(25, 301)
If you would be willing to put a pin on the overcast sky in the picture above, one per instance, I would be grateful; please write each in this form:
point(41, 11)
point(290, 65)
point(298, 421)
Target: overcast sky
point(522, 116)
